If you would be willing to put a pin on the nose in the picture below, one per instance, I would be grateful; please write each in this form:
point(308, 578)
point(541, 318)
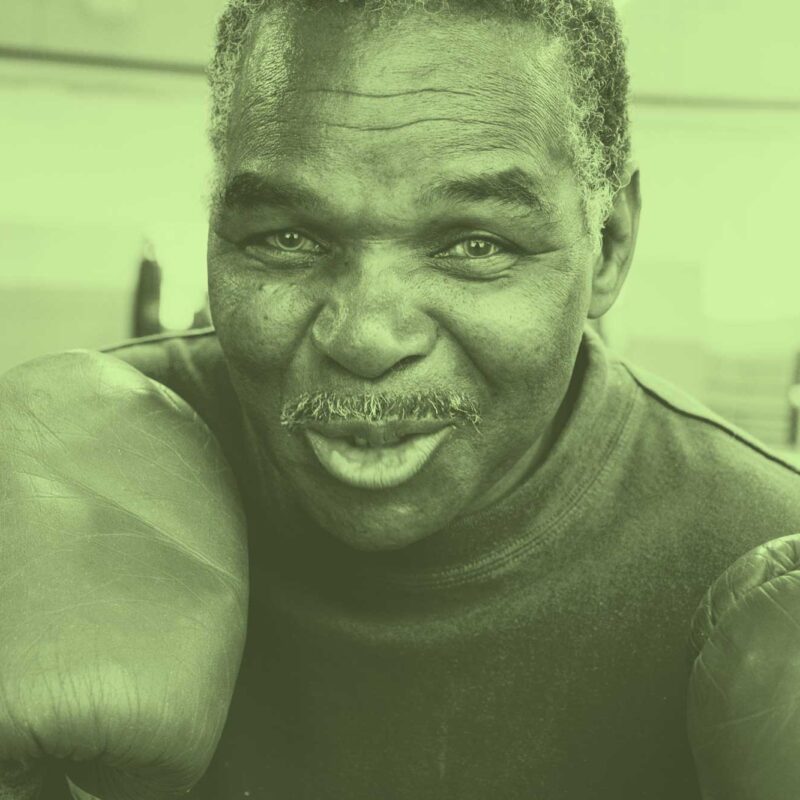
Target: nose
point(370, 324)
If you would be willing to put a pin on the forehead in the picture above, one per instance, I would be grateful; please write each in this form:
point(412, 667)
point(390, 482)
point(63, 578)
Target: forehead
point(329, 91)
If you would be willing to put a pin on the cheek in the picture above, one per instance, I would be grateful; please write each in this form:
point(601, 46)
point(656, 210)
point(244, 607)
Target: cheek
point(523, 338)
point(259, 322)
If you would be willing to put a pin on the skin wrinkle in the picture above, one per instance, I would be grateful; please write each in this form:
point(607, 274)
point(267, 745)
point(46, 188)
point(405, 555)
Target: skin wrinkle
point(257, 116)
point(377, 128)
point(257, 113)
point(494, 84)
point(384, 95)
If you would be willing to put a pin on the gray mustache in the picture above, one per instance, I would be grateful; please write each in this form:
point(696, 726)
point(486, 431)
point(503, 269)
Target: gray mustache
point(379, 407)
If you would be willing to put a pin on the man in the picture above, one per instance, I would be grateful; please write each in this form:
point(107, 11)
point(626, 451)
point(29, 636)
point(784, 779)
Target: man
point(476, 537)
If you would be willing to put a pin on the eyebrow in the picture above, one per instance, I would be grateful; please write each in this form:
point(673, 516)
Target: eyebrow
point(248, 189)
point(513, 187)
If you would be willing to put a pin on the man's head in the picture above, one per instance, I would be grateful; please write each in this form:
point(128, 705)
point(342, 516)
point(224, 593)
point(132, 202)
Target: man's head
point(417, 211)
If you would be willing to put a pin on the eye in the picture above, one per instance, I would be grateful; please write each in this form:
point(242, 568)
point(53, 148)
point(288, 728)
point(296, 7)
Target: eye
point(289, 248)
point(475, 248)
point(291, 241)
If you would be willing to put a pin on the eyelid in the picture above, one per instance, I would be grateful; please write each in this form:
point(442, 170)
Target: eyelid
point(495, 240)
point(261, 238)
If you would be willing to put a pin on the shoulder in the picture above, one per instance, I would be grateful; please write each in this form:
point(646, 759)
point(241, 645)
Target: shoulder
point(705, 471)
point(705, 431)
point(686, 491)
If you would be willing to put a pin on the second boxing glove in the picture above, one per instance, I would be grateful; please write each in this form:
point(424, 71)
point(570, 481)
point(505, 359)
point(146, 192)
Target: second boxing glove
point(744, 692)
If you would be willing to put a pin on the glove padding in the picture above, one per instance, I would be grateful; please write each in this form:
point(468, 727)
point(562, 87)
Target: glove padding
point(123, 581)
point(744, 692)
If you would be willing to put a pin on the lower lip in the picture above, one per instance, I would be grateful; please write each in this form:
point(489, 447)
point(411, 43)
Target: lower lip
point(376, 467)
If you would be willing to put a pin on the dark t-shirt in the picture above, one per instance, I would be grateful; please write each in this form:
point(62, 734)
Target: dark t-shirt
point(546, 658)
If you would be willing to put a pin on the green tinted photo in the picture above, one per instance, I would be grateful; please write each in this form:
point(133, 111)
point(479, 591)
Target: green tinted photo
point(399, 400)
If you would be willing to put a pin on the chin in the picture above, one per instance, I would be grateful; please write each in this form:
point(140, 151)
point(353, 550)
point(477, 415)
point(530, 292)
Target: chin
point(393, 526)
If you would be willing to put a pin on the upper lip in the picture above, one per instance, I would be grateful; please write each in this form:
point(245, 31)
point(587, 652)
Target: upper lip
point(378, 433)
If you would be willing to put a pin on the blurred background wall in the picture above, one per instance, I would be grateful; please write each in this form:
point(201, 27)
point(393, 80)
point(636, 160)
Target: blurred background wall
point(103, 158)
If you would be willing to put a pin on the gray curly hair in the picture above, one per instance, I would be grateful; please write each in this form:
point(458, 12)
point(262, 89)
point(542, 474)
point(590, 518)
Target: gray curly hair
point(594, 48)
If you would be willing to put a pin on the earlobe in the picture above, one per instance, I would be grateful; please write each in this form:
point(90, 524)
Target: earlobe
point(619, 243)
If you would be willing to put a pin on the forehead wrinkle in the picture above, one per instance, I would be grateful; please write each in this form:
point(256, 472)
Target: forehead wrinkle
point(264, 136)
point(263, 132)
point(287, 81)
point(408, 124)
point(264, 112)
point(516, 118)
point(381, 95)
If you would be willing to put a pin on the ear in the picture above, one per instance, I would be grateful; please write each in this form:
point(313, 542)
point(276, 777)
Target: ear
point(619, 243)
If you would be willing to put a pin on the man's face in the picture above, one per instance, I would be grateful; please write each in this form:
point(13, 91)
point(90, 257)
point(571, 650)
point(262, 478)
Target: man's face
point(401, 219)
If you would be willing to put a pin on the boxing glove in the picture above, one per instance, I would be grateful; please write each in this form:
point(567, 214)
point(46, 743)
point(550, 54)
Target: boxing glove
point(744, 690)
point(123, 582)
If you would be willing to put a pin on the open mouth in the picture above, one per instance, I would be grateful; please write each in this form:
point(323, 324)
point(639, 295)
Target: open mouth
point(366, 463)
